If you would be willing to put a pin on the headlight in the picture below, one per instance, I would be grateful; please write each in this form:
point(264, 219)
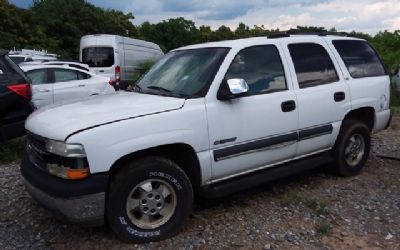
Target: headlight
point(65, 149)
point(69, 162)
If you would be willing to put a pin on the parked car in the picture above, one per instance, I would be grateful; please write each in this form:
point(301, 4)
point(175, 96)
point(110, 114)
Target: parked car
point(53, 84)
point(209, 119)
point(117, 57)
point(15, 96)
point(27, 55)
point(69, 63)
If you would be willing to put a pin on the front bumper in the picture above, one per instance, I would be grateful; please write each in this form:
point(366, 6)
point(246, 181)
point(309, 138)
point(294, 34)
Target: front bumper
point(81, 202)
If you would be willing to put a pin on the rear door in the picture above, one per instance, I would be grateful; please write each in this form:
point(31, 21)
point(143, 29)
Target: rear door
point(321, 91)
point(101, 59)
point(42, 89)
point(94, 84)
point(67, 85)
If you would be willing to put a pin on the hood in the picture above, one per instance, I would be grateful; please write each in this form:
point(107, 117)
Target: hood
point(58, 122)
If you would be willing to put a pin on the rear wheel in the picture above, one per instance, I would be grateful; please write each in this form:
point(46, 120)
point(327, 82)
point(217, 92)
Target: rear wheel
point(149, 200)
point(352, 148)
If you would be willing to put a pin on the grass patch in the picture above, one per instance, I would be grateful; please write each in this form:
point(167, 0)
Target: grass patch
point(394, 98)
point(290, 200)
point(324, 229)
point(12, 150)
point(395, 110)
point(318, 207)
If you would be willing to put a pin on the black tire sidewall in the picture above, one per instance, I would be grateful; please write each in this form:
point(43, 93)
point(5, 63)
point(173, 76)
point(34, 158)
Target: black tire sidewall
point(133, 175)
point(350, 128)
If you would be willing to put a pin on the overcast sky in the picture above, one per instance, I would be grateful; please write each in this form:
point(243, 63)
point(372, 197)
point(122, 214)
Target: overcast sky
point(368, 16)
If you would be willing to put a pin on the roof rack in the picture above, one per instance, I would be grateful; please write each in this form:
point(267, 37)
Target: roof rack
point(295, 32)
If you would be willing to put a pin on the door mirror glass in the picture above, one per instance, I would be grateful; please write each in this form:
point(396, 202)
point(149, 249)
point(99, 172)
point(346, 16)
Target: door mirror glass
point(237, 86)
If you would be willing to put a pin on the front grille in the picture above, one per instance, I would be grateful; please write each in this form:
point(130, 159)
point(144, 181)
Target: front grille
point(36, 148)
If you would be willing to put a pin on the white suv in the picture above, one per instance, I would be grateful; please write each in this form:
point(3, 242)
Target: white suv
point(208, 119)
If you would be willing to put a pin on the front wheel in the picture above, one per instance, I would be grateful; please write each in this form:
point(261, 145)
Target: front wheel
point(149, 200)
point(352, 148)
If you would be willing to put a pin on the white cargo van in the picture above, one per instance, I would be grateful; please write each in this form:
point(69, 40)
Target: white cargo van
point(115, 56)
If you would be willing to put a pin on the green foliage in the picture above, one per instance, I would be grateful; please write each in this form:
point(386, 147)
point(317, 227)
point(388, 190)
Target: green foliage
point(58, 25)
point(388, 46)
point(324, 229)
point(318, 207)
point(11, 150)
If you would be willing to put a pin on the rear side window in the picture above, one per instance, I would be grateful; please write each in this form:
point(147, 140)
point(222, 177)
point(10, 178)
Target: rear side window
point(98, 57)
point(82, 76)
point(313, 64)
point(360, 58)
point(64, 75)
point(38, 76)
point(260, 67)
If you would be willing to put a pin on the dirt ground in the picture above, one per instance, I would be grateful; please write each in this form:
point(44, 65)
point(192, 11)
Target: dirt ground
point(314, 210)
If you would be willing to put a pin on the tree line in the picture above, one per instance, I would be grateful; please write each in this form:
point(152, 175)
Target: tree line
point(58, 25)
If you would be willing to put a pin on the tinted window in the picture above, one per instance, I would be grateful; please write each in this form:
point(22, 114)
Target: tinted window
point(37, 76)
point(17, 59)
point(312, 64)
point(260, 67)
point(98, 56)
point(82, 75)
point(10, 73)
point(63, 75)
point(360, 59)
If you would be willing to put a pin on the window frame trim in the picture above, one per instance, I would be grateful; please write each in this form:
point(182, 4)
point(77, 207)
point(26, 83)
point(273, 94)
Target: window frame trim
point(260, 93)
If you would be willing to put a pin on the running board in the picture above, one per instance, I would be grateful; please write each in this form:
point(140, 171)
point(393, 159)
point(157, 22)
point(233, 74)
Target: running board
point(263, 176)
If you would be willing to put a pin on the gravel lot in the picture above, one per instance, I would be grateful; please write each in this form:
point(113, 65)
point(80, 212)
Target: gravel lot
point(313, 211)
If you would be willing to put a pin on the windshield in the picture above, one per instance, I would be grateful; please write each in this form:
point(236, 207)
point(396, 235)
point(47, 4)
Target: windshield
point(184, 73)
point(99, 57)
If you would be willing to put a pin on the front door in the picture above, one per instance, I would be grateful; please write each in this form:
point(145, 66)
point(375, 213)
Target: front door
point(259, 129)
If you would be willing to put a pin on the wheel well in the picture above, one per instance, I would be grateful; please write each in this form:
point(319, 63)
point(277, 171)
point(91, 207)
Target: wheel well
point(365, 115)
point(180, 153)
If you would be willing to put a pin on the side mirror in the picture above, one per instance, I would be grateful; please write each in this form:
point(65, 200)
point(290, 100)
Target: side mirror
point(232, 88)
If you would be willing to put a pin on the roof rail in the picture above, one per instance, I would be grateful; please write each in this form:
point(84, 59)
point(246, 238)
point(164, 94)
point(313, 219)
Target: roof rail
point(288, 33)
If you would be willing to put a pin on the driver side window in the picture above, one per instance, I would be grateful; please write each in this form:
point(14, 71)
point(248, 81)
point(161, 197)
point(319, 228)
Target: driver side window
point(260, 67)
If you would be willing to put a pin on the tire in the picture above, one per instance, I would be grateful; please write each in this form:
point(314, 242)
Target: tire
point(352, 148)
point(160, 200)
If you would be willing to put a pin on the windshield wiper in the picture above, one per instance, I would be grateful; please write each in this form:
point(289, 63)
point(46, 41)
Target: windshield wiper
point(159, 88)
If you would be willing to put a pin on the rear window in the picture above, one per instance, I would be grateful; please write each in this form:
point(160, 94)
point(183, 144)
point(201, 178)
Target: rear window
point(98, 57)
point(17, 59)
point(9, 72)
point(360, 58)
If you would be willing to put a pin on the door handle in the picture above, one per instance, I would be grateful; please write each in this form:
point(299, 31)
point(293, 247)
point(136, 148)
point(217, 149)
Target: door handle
point(288, 106)
point(339, 96)
point(101, 71)
point(81, 85)
point(44, 90)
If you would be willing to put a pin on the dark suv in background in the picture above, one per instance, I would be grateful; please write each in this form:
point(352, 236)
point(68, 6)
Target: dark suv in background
point(15, 97)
